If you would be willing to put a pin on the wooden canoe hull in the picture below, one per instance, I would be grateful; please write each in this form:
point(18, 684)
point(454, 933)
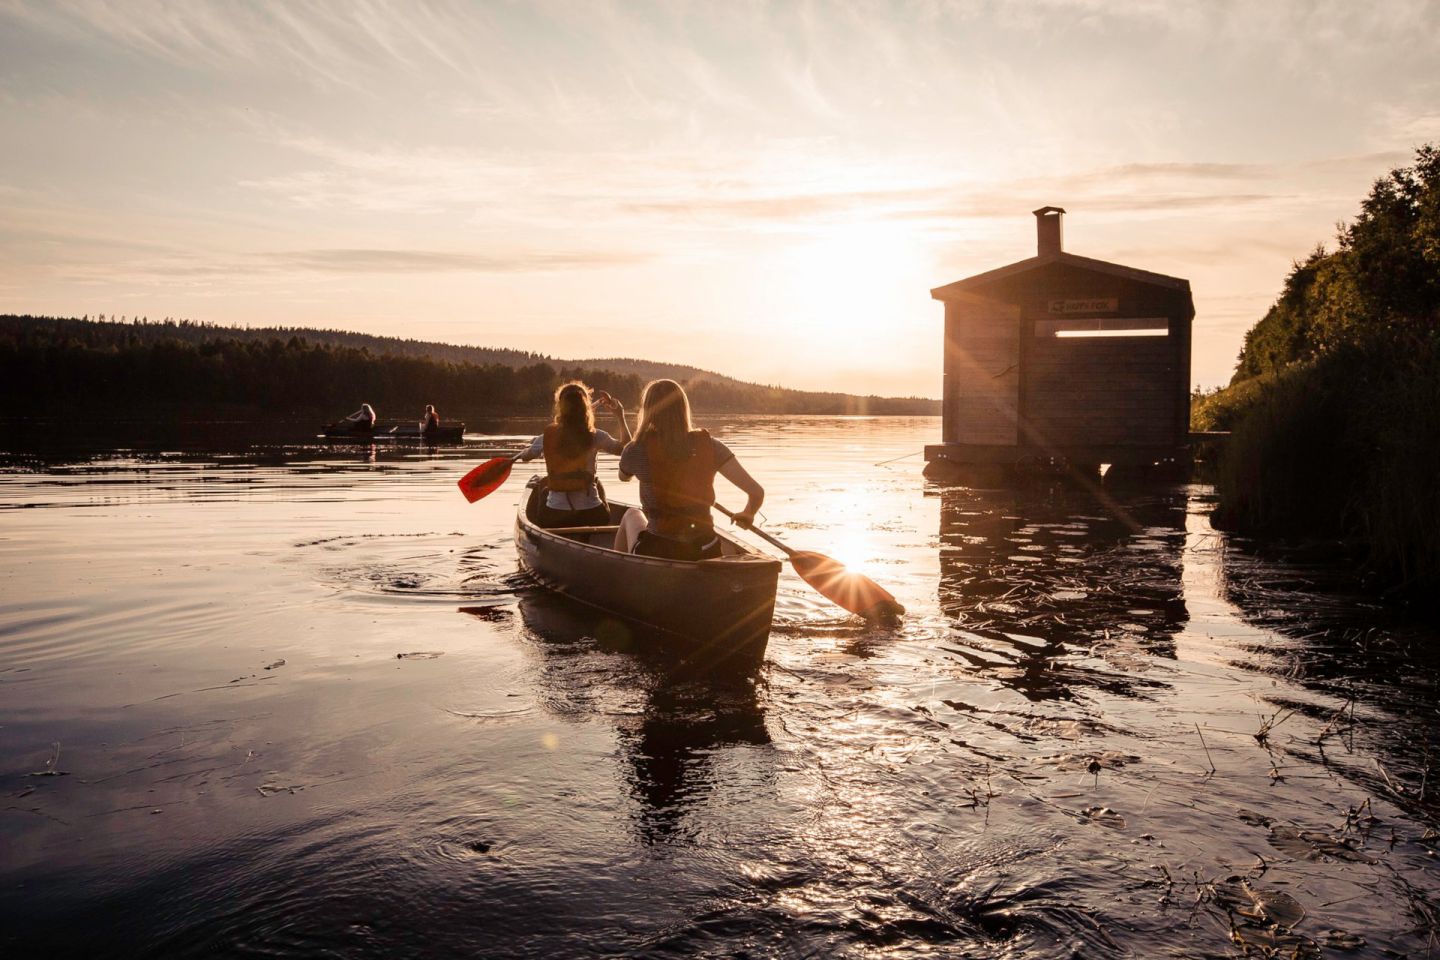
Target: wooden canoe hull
point(716, 613)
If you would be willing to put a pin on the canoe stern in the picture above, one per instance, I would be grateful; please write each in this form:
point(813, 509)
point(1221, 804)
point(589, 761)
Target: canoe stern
point(715, 611)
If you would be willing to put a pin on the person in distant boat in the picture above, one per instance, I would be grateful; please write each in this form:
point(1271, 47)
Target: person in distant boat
point(676, 466)
point(362, 420)
point(569, 445)
point(431, 421)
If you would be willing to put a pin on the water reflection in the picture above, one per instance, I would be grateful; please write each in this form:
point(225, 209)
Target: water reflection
point(1373, 670)
point(674, 749)
point(1049, 583)
point(676, 730)
point(1015, 770)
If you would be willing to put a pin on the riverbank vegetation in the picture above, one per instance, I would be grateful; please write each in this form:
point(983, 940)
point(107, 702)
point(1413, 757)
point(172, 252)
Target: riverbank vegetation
point(1334, 407)
point(60, 366)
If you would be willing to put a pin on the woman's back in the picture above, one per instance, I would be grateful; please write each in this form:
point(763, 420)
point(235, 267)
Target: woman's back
point(569, 445)
point(676, 488)
point(676, 466)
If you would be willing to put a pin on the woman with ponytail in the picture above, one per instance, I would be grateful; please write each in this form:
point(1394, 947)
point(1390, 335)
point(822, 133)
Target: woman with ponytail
point(569, 445)
point(676, 466)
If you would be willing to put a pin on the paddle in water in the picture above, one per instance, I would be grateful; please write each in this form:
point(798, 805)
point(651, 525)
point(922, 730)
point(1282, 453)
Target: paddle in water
point(846, 588)
point(486, 478)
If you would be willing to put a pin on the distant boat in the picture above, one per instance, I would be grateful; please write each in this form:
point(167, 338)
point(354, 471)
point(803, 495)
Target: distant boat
point(346, 430)
point(716, 613)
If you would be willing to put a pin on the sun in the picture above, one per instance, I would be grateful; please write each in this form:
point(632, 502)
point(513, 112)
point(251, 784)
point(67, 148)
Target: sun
point(853, 274)
point(840, 304)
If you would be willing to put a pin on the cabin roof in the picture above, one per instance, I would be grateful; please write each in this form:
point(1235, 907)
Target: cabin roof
point(972, 286)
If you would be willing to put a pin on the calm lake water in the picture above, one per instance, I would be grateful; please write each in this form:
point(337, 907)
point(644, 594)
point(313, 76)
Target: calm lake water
point(277, 698)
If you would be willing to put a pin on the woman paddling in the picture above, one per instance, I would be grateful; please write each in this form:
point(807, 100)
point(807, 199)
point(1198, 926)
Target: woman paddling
point(676, 466)
point(431, 421)
point(569, 445)
point(362, 420)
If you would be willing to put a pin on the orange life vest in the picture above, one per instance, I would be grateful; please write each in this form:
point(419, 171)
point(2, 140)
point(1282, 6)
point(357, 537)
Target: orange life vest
point(567, 473)
point(684, 489)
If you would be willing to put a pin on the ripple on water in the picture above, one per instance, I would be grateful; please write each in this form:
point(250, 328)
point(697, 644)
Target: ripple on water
point(396, 566)
point(1015, 770)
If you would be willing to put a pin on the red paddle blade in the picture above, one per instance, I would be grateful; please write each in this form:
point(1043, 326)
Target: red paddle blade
point(853, 591)
point(483, 480)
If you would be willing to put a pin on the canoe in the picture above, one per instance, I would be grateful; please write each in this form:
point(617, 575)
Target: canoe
point(714, 613)
point(402, 430)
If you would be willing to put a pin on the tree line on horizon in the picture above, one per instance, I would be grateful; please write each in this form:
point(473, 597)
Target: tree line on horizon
point(59, 366)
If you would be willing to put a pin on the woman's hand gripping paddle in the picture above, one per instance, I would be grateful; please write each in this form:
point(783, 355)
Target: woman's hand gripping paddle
point(853, 591)
point(486, 478)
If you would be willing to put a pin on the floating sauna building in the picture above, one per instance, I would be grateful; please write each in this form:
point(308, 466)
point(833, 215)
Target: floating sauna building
point(1064, 358)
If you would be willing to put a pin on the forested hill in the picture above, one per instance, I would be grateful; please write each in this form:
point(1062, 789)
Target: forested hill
point(654, 370)
point(66, 365)
point(104, 333)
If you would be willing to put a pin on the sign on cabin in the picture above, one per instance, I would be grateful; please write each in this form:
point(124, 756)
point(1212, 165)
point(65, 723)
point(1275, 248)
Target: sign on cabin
point(1092, 305)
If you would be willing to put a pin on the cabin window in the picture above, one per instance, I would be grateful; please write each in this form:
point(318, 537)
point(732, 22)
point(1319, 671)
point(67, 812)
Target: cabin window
point(1088, 327)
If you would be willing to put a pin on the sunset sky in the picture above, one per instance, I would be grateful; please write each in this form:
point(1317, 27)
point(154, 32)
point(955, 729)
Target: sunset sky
point(765, 189)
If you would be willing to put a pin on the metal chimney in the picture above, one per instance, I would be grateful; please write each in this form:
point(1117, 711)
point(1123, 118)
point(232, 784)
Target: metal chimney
point(1047, 230)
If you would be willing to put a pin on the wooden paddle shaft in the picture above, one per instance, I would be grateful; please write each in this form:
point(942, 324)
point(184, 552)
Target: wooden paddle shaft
point(757, 531)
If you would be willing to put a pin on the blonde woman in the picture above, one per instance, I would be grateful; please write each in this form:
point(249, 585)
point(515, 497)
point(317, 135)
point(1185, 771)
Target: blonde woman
point(362, 420)
point(569, 445)
point(676, 465)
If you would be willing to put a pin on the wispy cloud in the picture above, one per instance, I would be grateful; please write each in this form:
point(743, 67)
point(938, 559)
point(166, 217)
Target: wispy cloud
point(97, 258)
point(946, 203)
point(431, 261)
point(787, 208)
point(370, 155)
point(1185, 170)
point(1412, 125)
point(325, 39)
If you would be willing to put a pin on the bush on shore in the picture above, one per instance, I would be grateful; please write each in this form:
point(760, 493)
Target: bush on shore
point(1335, 404)
point(1347, 446)
point(1222, 408)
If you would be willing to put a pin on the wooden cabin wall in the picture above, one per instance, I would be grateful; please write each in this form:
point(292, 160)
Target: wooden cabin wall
point(982, 374)
point(1181, 331)
point(1107, 391)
